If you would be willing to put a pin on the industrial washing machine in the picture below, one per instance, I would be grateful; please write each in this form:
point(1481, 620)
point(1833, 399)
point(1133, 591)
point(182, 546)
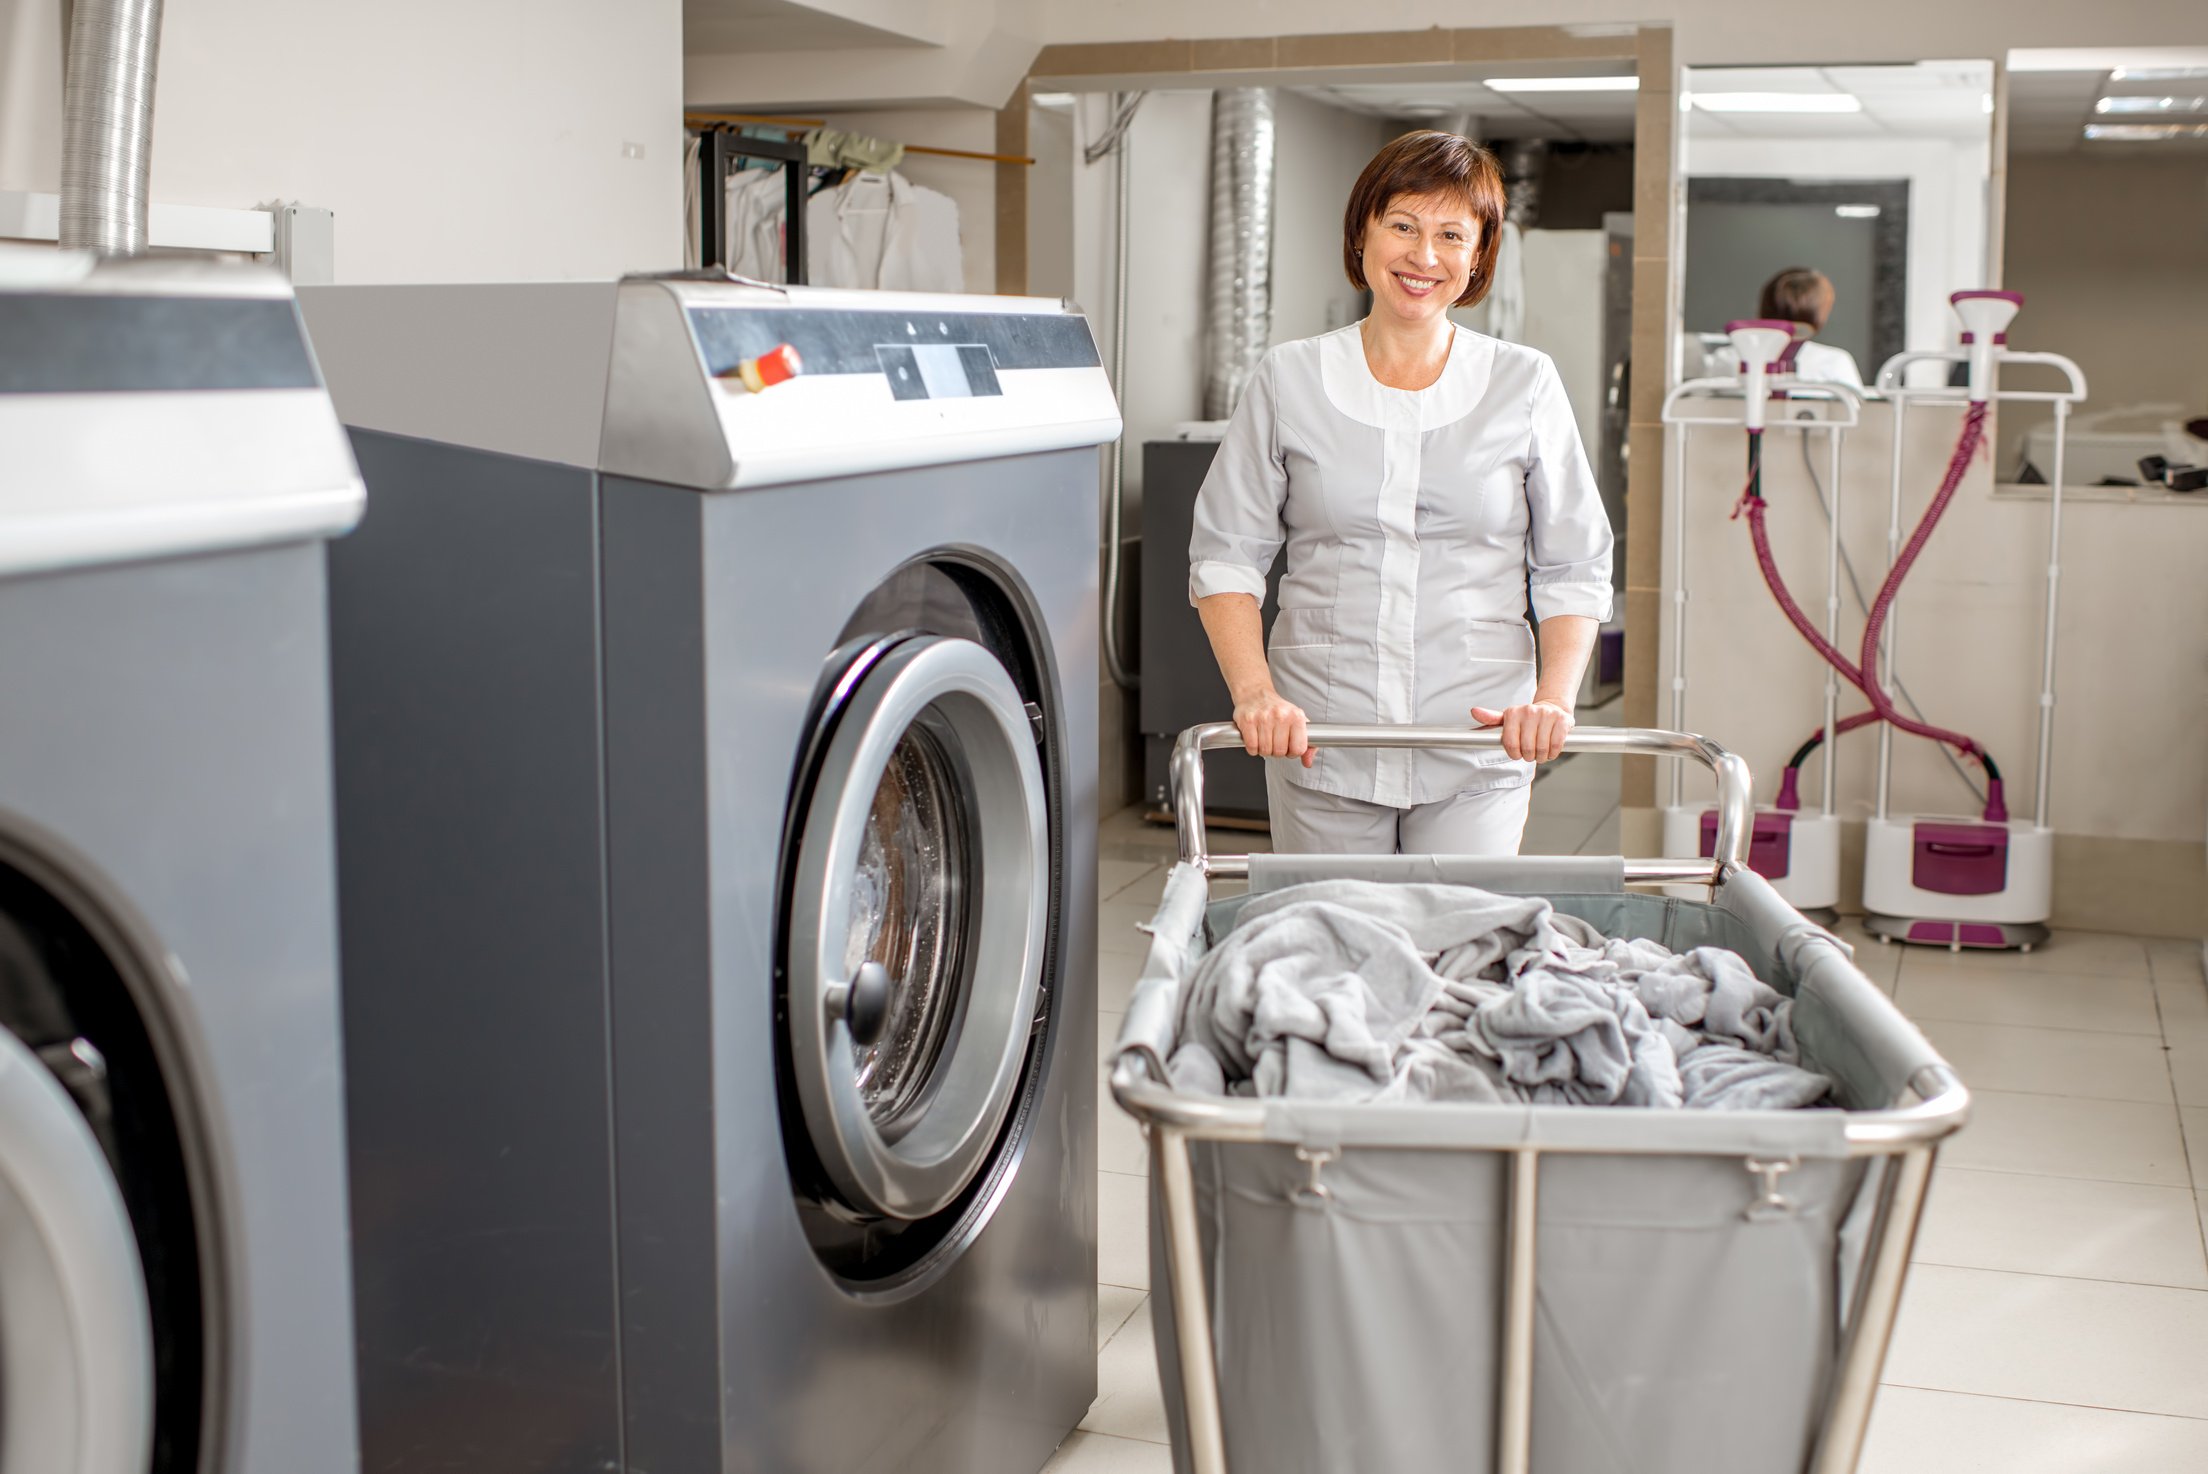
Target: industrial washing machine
point(173, 1271)
point(716, 676)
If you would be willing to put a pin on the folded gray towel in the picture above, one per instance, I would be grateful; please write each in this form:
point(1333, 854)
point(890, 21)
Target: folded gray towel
point(1362, 990)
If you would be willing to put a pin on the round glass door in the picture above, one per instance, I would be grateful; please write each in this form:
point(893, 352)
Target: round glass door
point(921, 900)
point(76, 1342)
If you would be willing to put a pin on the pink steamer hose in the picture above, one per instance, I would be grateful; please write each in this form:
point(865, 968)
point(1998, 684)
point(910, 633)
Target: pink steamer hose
point(1863, 672)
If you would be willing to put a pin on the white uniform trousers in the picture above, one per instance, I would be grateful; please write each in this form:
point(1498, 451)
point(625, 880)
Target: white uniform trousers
point(1487, 821)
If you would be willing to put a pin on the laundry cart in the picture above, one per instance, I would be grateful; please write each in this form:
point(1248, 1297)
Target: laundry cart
point(1532, 1289)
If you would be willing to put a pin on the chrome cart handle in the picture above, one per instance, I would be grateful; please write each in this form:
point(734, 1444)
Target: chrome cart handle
point(1735, 802)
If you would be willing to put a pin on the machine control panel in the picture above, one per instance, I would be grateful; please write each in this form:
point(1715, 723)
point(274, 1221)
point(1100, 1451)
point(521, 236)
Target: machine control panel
point(800, 383)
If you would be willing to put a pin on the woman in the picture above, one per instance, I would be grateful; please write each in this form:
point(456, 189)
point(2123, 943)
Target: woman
point(1804, 295)
point(1425, 480)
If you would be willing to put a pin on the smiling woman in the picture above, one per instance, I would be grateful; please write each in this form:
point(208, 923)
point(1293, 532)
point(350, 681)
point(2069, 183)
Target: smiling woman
point(1426, 481)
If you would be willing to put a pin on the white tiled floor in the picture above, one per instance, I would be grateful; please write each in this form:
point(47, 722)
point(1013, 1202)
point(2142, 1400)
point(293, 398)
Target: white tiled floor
point(2057, 1320)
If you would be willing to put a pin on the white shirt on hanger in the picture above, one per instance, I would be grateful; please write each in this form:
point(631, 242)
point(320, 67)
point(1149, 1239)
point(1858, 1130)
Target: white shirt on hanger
point(884, 231)
point(757, 202)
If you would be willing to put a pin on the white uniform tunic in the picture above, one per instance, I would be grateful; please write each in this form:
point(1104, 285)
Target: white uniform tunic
point(1416, 521)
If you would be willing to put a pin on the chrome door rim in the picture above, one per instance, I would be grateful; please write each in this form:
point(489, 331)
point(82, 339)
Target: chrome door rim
point(959, 692)
point(76, 1346)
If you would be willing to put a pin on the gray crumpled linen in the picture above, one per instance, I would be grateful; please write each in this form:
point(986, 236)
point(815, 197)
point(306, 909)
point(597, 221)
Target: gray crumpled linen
point(1356, 990)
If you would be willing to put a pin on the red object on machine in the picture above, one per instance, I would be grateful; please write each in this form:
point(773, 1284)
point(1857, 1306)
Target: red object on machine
point(770, 368)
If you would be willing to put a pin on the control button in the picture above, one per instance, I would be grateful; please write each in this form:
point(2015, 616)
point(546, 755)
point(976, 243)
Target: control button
point(770, 368)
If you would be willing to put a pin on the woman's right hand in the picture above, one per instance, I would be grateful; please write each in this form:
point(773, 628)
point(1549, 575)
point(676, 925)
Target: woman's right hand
point(1272, 726)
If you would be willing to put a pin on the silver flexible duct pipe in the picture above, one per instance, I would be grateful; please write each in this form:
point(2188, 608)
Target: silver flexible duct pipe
point(1524, 161)
point(107, 124)
point(1238, 288)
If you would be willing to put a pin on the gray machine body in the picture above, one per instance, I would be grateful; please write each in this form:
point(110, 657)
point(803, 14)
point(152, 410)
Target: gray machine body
point(571, 708)
point(165, 780)
point(1181, 684)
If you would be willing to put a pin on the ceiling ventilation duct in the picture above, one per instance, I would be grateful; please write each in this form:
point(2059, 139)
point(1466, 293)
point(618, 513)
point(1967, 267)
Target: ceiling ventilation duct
point(1238, 285)
point(107, 124)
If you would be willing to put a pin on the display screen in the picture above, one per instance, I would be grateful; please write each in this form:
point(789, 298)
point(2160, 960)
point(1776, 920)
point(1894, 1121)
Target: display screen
point(939, 370)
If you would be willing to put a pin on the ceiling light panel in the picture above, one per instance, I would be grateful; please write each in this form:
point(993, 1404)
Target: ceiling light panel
point(1778, 102)
point(1564, 84)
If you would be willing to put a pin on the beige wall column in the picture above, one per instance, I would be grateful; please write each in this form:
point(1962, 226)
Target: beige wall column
point(1655, 174)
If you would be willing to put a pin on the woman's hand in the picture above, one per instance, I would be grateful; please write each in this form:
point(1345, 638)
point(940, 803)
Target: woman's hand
point(1534, 732)
point(1272, 727)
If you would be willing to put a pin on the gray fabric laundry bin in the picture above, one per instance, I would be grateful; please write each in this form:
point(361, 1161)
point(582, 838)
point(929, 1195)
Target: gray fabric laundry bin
point(1557, 1290)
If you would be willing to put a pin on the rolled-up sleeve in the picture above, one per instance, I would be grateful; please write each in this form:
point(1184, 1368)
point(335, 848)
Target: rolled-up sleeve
point(1238, 529)
point(1568, 546)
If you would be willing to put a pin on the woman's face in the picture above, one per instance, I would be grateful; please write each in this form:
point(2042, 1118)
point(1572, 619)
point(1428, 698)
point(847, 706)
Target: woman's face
point(1418, 256)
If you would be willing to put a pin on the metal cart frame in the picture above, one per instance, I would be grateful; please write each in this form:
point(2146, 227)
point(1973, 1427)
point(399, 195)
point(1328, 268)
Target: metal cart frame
point(1172, 1120)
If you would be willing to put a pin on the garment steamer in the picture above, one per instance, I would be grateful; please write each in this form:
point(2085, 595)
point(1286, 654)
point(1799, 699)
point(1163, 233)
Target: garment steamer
point(1938, 879)
point(1797, 850)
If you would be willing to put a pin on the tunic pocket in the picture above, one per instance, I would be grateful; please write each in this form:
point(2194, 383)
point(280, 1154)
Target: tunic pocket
point(1500, 654)
point(1301, 654)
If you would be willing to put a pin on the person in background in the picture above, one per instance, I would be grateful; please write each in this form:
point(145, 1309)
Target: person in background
point(1803, 294)
point(1425, 480)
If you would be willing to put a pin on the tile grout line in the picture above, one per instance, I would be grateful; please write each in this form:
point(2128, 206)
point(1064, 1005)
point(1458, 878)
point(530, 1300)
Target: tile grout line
point(2155, 987)
point(2091, 1407)
point(2079, 1279)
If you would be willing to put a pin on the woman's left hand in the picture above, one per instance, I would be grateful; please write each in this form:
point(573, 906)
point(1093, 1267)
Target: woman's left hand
point(1534, 732)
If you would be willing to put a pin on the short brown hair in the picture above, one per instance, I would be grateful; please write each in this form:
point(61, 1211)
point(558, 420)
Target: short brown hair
point(1428, 163)
point(1792, 295)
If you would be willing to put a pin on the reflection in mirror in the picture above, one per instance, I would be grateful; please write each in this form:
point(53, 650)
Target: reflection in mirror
point(1868, 182)
point(1564, 134)
point(2107, 238)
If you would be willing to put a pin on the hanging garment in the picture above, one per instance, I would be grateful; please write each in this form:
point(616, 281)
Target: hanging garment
point(758, 200)
point(833, 148)
point(690, 225)
point(1417, 522)
point(883, 231)
point(1821, 363)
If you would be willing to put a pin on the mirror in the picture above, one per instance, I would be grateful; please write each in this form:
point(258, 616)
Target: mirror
point(1564, 133)
point(1875, 176)
point(2107, 238)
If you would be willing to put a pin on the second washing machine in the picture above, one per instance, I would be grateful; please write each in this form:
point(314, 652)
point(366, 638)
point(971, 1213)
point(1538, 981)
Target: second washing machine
point(716, 686)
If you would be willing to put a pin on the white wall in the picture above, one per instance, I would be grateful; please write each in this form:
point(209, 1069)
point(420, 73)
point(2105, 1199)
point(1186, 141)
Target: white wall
point(1947, 206)
point(1171, 196)
point(491, 140)
point(1318, 152)
point(1050, 242)
point(971, 183)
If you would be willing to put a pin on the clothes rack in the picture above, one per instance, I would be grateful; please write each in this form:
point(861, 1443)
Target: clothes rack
point(705, 120)
point(719, 147)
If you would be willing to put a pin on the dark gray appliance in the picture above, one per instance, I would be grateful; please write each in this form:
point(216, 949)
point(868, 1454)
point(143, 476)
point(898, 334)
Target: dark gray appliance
point(1181, 684)
point(172, 1188)
point(717, 797)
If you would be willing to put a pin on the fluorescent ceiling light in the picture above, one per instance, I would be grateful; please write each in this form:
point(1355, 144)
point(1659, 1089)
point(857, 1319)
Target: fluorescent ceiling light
point(2143, 132)
point(1563, 84)
point(2162, 105)
point(1778, 102)
point(1051, 99)
point(2156, 74)
point(1856, 212)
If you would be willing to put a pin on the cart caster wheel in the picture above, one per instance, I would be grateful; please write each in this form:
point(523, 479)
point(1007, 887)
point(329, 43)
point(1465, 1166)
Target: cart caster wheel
point(2026, 947)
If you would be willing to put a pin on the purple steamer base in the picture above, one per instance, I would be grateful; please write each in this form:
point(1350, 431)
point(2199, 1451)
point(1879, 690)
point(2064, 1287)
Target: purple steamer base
point(1770, 852)
point(1958, 858)
point(1958, 936)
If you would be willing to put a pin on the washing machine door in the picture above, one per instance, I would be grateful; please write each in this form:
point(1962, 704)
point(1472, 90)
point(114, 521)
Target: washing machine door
point(919, 911)
point(76, 1347)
